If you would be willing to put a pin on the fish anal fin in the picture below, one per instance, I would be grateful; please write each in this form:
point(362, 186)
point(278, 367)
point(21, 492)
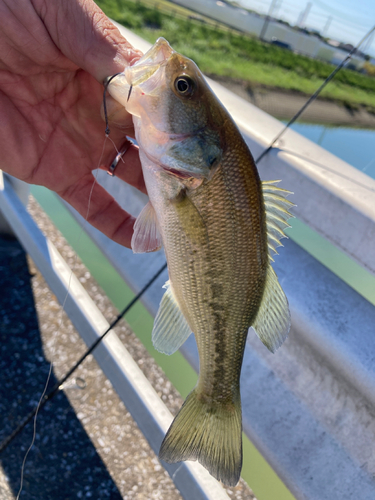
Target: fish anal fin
point(146, 236)
point(170, 327)
point(208, 432)
point(272, 323)
point(277, 213)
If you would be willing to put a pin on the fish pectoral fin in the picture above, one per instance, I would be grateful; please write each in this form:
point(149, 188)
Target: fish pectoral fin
point(277, 213)
point(191, 221)
point(170, 327)
point(272, 323)
point(146, 236)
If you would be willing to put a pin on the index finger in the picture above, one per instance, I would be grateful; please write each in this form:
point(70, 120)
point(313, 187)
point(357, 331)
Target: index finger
point(100, 209)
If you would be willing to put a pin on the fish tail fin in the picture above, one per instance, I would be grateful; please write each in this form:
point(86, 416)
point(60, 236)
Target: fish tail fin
point(208, 432)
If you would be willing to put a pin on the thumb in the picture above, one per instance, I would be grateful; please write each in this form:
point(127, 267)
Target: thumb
point(86, 36)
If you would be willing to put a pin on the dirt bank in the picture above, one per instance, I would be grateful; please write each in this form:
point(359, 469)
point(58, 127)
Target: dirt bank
point(284, 104)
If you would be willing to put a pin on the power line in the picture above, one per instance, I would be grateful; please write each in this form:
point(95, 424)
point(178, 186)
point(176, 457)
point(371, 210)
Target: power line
point(315, 95)
point(339, 13)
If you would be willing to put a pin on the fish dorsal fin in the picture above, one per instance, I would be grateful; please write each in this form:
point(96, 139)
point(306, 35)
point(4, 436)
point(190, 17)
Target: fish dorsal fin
point(146, 236)
point(277, 213)
point(170, 327)
point(272, 323)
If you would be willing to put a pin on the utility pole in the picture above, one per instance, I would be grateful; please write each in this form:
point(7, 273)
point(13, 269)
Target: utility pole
point(277, 8)
point(267, 20)
point(303, 16)
point(326, 26)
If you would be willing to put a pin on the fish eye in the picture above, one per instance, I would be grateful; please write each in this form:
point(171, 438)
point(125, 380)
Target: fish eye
point(184, 85)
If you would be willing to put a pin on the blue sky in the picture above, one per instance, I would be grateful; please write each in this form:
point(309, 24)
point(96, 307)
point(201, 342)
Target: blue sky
point(348, 20)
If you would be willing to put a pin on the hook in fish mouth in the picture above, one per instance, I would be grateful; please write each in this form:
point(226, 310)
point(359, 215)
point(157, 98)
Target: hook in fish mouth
point(130, 91)
point(106, 82)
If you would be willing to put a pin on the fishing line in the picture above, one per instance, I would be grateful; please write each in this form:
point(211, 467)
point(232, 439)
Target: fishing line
point(176, 472)
point(34, 413)
point(314, 96)
point(61, 382)
point(368, 165)
point(34, 430)
point(44, 398)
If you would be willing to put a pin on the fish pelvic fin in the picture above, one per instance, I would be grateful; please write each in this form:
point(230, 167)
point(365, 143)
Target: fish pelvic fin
point(170, 327)
point(277, 214)
point(146, 236)
point(209, 432)
point(272, 323)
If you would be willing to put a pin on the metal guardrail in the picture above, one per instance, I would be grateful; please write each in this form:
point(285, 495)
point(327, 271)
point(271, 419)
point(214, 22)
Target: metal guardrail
point(309, 408)
point(152, 416)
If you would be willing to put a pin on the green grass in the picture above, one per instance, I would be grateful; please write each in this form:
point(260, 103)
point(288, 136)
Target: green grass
point(223, 52)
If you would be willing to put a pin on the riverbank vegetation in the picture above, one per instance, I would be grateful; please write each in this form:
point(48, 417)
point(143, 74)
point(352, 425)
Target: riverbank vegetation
point(226, 53)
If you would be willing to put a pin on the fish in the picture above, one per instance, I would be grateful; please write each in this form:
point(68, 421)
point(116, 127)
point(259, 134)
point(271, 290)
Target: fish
point(220, 226)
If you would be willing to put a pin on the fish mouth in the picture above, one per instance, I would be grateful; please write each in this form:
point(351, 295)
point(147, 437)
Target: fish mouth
point(149, 63)
point(157, 54)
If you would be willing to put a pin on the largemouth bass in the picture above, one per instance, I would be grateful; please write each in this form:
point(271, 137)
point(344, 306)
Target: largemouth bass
point(218, 223)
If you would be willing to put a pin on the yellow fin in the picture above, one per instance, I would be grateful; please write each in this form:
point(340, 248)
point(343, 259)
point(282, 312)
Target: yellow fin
point(191, 220)
point(277, 213)
point(170, 327)
point(272, 323)
point(209, 432)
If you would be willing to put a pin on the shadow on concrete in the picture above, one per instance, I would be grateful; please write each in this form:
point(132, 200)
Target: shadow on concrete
point(63, 463)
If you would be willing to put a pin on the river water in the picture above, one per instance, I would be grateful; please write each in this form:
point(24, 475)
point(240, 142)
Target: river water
point(355, 146)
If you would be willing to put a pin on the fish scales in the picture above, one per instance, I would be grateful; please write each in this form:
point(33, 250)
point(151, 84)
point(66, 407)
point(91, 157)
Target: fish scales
point(229, 267)
point(217, 223)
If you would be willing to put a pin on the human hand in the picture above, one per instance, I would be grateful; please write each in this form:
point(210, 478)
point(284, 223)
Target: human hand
point(54, 57)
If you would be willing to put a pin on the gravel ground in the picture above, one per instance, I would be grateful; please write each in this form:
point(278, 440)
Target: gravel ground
point(87, 444)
